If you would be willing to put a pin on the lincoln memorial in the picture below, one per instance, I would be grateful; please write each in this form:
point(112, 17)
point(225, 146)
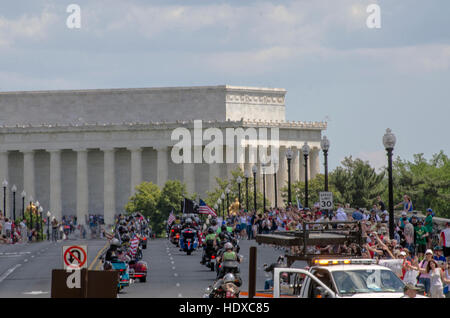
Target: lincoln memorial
point(82, 152)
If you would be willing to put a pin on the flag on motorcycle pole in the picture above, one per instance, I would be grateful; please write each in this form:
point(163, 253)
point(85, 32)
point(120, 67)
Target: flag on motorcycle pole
point(134, 243)
point(206, 209)
point(171, 218)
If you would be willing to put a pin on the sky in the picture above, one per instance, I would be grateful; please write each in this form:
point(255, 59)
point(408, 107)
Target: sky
point(335, 68)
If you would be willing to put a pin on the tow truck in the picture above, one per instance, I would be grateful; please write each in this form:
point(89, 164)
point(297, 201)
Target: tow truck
point(330, 275)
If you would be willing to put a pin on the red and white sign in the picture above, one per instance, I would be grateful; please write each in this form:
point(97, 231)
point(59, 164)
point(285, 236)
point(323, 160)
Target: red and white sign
point(75, 256)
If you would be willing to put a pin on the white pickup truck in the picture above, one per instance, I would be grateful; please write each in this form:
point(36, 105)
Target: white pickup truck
point(339, 278)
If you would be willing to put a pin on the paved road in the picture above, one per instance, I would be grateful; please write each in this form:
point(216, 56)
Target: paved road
point(25, 269)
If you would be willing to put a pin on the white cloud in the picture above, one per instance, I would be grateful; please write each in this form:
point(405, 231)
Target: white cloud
point(30, 27)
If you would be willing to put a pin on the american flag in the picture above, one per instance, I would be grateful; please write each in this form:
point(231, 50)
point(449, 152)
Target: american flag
point(134, 243)
point(171, 218)
point(205, 209)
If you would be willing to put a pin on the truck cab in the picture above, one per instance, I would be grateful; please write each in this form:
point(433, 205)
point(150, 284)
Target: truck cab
point(340, 278)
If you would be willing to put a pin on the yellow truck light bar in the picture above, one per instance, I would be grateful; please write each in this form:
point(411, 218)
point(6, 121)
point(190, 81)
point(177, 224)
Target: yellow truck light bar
point(324, 262)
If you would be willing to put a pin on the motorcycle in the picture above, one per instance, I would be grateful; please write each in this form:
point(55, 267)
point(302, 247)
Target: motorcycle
point(138, 270)
point(224, 289)
point(174, 235)
point(188, 240)
point(209, 255)
point(124, 274)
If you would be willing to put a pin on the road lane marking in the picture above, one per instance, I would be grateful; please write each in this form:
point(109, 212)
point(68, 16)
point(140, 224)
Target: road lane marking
point(97, 256)
point(9, 272)
point(39, 292)
point(176, 275)
point(177, 284)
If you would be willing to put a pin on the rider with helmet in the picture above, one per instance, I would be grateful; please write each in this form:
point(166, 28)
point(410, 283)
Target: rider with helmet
point(112, 250)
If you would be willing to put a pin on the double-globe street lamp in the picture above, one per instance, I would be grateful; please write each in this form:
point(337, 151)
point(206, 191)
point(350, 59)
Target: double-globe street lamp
point(264, 187)
point(4, 184)
point(254, 170)
point(219, 202)
point(389, 140)
point(223, 205)
point(289, 156)
point(325, 145)
point(239, 181)
point(31, 212)
point(305, 150)
point(275, 166)
point(48, 225)
point(23, 194)
point(227, 191)
point(247, 176)
point(41, 225)
point(14, 190)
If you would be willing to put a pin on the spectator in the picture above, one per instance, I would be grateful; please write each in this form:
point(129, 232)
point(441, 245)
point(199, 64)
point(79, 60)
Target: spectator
point(357, 215)
point(429, 227)
point(8, 228)
point(444, 240)
point(437, 278)
point(410, 291)
point(421, 240)
point(407, 204)
point(381, 205)
point(424, 277)
point(408, 232)
point(341, 215)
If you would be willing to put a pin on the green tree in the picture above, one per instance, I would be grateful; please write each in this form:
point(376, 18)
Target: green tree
point(146, 200)
point(232, 184)
point(315, 186)
point(427, 182)
point(357, 183)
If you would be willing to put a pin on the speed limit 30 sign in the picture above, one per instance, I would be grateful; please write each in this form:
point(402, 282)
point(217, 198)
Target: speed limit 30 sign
point(326, 200)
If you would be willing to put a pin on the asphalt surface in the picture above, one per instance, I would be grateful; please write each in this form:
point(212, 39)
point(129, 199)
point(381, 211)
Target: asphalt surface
point(25, 269)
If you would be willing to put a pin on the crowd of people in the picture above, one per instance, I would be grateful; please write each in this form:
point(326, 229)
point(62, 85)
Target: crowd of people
point(424, 250)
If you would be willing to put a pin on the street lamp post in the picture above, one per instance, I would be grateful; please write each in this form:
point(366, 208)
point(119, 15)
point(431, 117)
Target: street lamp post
point(389, 140)
point(227, 191)
point(37, 214)
point(254, 170)
point(219, 201)
point(264, 188)
point(275, 164)
point(305, 150)
point(223, 205)
point(325, 145)
point(246, 175)
point(14, 189)
point(23, 194)
point(5, 184)
point(48, 225)
point(31, 212)
point(289, 155)
point(40, 223)
point(239, 181)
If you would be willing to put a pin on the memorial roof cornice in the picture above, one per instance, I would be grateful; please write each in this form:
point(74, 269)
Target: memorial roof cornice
point(44, 128)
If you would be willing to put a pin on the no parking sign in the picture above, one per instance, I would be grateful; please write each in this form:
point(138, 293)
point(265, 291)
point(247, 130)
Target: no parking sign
point(75, 256)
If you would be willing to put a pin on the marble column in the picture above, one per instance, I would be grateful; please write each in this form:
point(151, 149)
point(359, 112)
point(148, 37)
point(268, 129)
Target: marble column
point(28, 174)
point(82, 186)
point(109, 189)
point(302, 166)
point(162, 171)
point(295, 166)
point(55, 184)
point(189, 174)
point(282, 175)
point(4, 175)
point(136, 168)
point(314, 161)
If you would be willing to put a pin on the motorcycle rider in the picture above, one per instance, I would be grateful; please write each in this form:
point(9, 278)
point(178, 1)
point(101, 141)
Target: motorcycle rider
point(229, 254)
point(210, 240)
point(112, 250)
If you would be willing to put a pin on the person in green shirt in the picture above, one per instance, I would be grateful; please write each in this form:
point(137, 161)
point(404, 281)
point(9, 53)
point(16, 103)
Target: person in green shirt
point(429, 227)
point(421, 239)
